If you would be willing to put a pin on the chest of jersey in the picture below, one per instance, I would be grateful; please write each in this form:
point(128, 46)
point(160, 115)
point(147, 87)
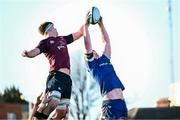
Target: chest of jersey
point(57, 46)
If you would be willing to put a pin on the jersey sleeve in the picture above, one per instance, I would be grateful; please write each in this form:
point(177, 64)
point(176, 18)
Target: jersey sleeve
point(69, 38)
point(42, 46)
point(105, 58)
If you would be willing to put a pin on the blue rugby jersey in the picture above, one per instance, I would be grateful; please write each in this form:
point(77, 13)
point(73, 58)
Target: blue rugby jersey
point(103, 72)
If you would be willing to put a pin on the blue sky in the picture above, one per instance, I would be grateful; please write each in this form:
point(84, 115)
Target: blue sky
point(139, 33)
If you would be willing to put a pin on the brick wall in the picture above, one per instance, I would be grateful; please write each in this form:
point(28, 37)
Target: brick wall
point(6, 108)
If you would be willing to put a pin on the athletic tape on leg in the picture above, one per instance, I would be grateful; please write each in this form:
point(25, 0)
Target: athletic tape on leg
point(55, 95)
point(63, 104)
point(39, 115)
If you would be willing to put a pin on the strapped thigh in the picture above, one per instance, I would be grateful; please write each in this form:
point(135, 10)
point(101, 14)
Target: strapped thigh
point(63, 104)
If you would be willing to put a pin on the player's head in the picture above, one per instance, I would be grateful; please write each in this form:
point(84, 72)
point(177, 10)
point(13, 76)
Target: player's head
point(163, 102)
point(95, 54)
point(47, 28)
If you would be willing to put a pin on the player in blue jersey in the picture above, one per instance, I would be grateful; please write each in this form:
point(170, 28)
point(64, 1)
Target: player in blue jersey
point(100, 67)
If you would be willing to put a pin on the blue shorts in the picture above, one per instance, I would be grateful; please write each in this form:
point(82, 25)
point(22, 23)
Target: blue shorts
point(114, 109)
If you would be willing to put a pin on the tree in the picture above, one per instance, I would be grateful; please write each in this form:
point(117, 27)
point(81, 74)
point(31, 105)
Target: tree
point(12, 95)
point(84, 91)
point(1, 97)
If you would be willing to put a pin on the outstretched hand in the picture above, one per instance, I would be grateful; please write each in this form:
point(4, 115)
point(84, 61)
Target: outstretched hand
point(24, 53)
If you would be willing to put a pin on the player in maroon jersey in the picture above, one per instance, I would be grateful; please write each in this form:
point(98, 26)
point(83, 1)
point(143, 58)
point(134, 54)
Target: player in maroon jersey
point(59, 83)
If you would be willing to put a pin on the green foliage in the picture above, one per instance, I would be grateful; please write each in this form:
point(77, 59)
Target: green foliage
point(12, 95)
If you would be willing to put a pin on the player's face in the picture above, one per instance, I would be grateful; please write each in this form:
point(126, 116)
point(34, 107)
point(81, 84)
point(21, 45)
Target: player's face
point(54, 31)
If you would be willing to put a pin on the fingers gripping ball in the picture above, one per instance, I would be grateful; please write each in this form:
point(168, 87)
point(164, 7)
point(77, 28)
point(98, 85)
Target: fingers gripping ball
point(94, 15)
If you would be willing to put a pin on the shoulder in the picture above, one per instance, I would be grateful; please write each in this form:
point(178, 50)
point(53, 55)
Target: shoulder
point(68, 38)
point(46, 39)
point(104, 55)
point(42, 46)
point(43, 41)
point(104, 59)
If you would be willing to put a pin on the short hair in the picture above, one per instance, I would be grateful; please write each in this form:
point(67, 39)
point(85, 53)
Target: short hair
point(164, 100)
point(43, 27)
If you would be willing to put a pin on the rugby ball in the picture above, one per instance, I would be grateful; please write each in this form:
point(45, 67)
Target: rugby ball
point(94, 15)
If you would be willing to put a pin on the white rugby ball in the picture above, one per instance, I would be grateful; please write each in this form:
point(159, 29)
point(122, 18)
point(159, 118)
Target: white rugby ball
point(95, 15)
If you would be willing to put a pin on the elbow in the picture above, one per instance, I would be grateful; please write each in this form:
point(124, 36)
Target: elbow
point(80, 35)
point(107, 42)
point(77, 36)
point(30, 56)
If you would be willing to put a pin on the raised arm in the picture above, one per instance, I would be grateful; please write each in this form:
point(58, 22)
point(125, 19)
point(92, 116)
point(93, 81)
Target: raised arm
point(105, 37)
point(87, 39)
point(78, 34)
point(32, 53)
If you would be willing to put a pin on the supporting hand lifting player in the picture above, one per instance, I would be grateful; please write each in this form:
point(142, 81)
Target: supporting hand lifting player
point(41, 99)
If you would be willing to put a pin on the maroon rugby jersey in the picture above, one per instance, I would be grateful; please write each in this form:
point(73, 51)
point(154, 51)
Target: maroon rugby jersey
point(55, 50)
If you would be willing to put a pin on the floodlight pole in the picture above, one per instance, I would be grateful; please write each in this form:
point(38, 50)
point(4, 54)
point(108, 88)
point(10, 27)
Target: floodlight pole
point(171, 38)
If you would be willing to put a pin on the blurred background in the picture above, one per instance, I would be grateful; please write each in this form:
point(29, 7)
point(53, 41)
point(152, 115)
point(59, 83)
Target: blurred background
point(145, 52)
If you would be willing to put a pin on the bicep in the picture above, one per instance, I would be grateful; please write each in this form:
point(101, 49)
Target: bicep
point(88, 45)
point(77, 35)
point(87, 40)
